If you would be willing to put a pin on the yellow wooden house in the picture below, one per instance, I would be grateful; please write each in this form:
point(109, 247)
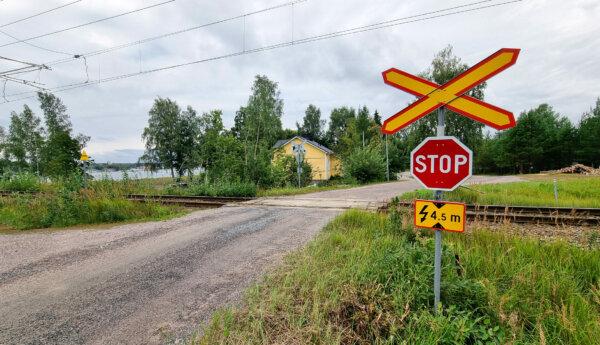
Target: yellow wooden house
point(323, 162)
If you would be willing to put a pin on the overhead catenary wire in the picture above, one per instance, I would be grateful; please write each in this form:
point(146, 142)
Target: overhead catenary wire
point(241, 16)
point(177, 32)
point(40, 13)
point(86, 24)
point(359, 29)
point(35, 45)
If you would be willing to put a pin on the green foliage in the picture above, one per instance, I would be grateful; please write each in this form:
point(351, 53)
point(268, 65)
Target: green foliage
point(444, 67)
point(367, 280)
point(171, 137)
point(572, 192)
point(290, 190)
point(588, 141)
point(70, 204)
point(312, 125)
point(227, 159)
point(258, 126)
point(209, 148)
point(51, 151)
point(61, 150)
point(539, 290)
point(338, 124)
point(285, 172)
point(4, 162)
point(23, 182)
point(218, 188)
point(365, 165)
point(25, 140)
point(541, 140)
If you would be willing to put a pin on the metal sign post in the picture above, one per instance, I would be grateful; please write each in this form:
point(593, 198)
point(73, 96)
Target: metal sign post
point(387, 159)
point(437, 264)
point(299, 152)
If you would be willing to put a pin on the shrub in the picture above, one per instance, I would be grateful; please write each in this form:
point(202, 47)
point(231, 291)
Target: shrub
point(285, 172)
point(365, 165)
point(71, 204)
point(22, 182)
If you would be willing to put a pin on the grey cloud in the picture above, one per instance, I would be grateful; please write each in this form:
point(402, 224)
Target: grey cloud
point(557, 64)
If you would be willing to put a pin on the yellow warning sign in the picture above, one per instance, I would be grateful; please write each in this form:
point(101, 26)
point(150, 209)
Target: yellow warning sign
point(440, 215)
point(84, 156)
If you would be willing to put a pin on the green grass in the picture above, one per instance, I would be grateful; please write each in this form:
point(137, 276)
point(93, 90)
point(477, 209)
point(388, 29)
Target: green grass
point(73, 201)
point(363, 280)
point(56, 211)
point(581, 191)
point(24, 182)
point(282, 191)
point(228, 189)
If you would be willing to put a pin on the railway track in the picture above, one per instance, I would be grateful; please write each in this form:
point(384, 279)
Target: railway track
point(526, 214)
point(488, 213)
point(187, 201)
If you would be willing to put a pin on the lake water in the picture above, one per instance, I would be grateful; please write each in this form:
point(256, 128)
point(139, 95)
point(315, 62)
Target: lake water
point(133, 174)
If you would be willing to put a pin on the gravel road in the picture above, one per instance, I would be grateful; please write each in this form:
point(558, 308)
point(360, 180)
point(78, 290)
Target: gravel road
point(155, 282)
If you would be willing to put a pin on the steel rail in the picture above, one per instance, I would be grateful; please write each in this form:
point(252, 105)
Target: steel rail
point(525, 214)
point(487, 213)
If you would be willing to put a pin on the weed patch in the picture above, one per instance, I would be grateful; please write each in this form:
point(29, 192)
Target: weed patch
point(572, 192)
point(367, 279)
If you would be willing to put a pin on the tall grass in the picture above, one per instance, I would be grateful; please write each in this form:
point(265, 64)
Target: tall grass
point(365, 280)
point(22, 182)
point(227, 189)
point(73, 201)
point(580, 192)
point(282, 191)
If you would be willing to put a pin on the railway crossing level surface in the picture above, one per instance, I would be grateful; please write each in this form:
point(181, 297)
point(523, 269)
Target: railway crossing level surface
point(443, 163)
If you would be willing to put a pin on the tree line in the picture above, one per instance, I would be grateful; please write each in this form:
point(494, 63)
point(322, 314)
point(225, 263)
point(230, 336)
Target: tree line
point(182, 139)
point(47, 148)
point(541, 140)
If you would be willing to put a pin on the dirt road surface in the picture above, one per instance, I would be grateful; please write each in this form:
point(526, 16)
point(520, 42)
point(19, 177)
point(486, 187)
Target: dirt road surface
point(154, 283)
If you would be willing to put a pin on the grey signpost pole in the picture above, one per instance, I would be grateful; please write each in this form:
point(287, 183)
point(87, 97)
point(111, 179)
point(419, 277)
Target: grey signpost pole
point(299, 153)
point(387, 158)
point(437, 273)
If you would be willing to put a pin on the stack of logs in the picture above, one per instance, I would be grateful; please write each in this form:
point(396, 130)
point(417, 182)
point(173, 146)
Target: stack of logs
point(577, 169)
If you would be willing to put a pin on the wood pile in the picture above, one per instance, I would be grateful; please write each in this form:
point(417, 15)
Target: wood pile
point(577, 169)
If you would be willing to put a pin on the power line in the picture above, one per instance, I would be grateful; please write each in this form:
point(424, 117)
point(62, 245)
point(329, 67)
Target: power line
point(365, 28)
point(173, 33)
point(34, 45)
point(177, 32)
point(88, 23)
point(41, 13)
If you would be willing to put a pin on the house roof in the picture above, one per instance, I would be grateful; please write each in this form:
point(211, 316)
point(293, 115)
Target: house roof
point(283, 142)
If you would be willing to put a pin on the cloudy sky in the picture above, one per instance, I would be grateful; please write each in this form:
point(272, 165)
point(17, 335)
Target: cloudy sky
point(558, 62)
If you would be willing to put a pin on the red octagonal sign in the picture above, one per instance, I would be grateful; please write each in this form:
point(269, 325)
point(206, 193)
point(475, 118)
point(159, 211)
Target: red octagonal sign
point(441, 163)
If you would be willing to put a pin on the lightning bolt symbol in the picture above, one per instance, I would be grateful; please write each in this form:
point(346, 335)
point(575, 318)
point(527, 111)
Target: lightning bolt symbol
point(423, 213)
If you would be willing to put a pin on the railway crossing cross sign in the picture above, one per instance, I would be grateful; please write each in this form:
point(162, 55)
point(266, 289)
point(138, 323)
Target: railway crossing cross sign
point(452, 94)
point(441, 163)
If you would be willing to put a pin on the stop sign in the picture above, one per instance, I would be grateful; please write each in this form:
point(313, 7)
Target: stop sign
point(441, 163)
